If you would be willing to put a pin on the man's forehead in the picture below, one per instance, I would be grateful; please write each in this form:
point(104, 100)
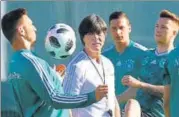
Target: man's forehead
point(165, 20)
point(26, 18)
point(121, 20)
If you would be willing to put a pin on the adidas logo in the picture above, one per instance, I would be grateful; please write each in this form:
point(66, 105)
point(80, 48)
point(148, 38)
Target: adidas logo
point(153, 62)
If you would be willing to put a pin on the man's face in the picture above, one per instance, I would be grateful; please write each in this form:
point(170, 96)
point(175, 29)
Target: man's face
point(94, 42)
point(164, 30)
point(120, 30)
point(28, 29)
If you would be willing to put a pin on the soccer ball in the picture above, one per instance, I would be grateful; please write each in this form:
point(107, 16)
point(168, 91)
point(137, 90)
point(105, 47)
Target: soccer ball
point(60, 41)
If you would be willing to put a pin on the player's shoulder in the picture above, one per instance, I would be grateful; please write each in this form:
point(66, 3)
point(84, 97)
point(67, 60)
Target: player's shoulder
point(152, 50)
point(139, 46)
point(174, 52)
point(31, 59)
point(79, 58)
point(27, 57)
point(108, 49)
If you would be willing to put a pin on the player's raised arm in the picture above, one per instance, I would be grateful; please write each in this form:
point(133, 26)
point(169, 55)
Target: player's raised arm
point(43, 82)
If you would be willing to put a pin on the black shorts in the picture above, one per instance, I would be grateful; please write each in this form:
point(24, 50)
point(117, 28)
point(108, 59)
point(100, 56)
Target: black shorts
point(143, 114)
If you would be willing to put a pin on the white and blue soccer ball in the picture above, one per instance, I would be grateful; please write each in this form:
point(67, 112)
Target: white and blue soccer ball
point(60, 41)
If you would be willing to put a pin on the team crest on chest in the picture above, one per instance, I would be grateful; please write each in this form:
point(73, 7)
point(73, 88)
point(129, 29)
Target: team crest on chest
point(129, 64)
point(153, 62)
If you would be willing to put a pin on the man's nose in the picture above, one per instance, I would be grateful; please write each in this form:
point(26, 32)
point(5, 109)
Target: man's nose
point(35, 29)
point(118, 31)
point(97, 38)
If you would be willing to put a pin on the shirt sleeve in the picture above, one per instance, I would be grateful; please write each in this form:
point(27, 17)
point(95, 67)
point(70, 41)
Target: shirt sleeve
point(41, 81)
point(73, 80)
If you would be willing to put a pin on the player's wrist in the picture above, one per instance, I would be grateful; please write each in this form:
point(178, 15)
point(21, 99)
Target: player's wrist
point(92, 98)
point(140, 85)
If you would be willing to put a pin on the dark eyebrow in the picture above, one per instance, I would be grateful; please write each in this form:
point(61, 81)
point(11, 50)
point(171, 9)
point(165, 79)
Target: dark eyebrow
point(164, 26)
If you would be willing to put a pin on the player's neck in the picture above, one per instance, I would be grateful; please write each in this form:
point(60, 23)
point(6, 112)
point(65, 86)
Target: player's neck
point(93, 55)
point(121, 46)
point(164, 47)
point(19, 44)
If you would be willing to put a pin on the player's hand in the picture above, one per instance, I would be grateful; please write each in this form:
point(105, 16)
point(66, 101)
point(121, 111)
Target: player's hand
point(131, 81)
point(101, 91)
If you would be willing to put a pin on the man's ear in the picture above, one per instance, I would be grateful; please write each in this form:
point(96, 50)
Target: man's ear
point(176, 29)
point(175, 32)
point(21, 30)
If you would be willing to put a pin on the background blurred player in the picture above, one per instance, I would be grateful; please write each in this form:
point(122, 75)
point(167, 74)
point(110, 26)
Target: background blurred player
point(150, 86)
point(125, 55)
point(171, 94)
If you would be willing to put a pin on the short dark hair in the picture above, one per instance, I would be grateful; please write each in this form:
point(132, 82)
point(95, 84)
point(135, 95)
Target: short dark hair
point(118, 14)
point(170, 15)
point(91, 24)
point(9, 22)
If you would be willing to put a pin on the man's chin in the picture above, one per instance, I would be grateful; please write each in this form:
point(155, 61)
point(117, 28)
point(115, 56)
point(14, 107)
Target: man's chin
point(119, 41)
point(97, 50)
point(160, 42)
